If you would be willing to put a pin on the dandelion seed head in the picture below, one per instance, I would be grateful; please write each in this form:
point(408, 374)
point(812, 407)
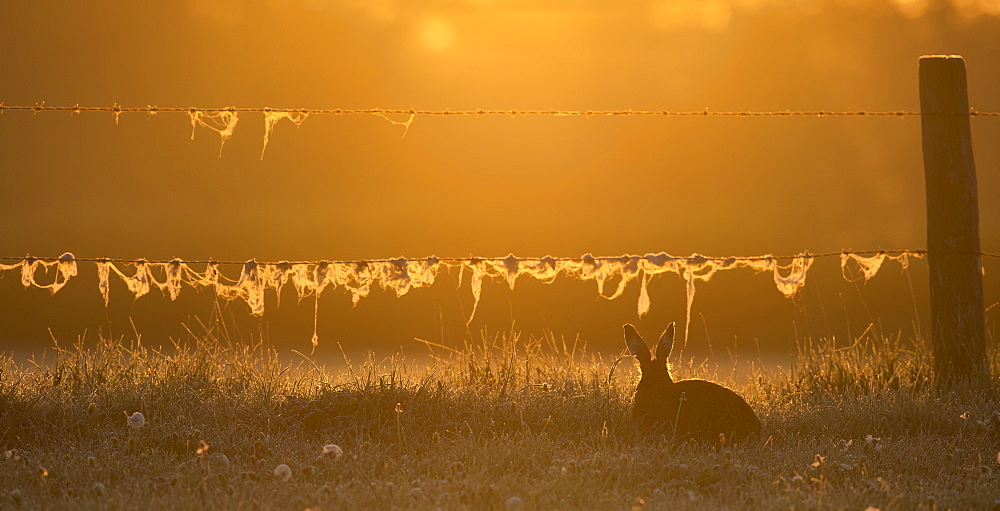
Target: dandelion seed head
point(136, 420)
point(333, 450)
point(283, 471)
point(514, 503)
point(98, 489)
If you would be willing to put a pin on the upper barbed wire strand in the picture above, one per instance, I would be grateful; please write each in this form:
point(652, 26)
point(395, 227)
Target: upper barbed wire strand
point(152, 110)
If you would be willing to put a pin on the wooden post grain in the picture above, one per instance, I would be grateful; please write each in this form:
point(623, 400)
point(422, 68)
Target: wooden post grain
point(958, 324)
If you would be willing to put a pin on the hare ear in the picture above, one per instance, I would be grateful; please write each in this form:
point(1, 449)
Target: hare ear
point(666, 343)
point(636, 346)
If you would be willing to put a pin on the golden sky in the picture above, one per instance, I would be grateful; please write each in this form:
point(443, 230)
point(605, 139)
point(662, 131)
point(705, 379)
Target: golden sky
point(350, 187)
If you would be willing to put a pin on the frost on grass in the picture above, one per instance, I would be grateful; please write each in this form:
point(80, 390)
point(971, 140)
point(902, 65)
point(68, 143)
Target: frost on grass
point(222, 122)
point(611, 275)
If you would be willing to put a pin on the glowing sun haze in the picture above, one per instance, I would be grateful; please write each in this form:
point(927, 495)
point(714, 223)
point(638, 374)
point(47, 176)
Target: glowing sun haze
point(353, 187)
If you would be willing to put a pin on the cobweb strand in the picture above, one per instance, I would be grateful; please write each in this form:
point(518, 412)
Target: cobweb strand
point(402, 275)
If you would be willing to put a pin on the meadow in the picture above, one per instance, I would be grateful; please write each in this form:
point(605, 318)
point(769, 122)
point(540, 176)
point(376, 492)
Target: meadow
point(503, 423)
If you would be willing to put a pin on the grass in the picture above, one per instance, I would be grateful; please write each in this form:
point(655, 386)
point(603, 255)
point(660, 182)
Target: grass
point(505, 424)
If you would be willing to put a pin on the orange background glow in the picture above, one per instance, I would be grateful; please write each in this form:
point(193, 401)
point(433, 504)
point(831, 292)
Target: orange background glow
point(349, 187)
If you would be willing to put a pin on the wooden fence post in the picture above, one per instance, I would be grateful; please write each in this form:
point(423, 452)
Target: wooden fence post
point(958, 323)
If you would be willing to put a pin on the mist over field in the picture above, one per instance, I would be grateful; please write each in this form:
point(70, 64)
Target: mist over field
point(352, 187)
point(397, 254)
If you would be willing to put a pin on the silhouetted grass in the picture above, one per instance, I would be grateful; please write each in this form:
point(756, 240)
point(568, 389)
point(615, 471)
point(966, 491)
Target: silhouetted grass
point(505, 422)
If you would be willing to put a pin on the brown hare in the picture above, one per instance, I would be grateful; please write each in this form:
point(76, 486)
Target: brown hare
point(696, 409)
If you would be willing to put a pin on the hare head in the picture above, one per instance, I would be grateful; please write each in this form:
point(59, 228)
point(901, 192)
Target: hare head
point(653, 368)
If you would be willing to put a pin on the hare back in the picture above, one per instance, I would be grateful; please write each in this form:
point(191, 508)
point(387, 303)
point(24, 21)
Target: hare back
point(699, 409)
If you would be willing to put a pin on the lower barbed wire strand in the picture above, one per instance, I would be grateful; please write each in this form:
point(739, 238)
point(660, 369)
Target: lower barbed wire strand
point(310, 278)
point(491, 259)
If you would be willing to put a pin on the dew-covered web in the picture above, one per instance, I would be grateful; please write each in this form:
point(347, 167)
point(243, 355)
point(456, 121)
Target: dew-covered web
point(222, 122)
point(405, 124)
point(611, 275)
point(272, 118)
point(869, 266)
point(65, 267)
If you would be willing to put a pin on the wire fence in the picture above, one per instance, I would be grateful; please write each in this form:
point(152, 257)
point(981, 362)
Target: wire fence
point(612, 274)
point(153, 110)
point(223, 120)
point(472, 259)
point(401, 274)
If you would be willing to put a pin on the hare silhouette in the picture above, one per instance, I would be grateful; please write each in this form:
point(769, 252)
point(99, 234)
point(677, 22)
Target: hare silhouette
point(698, 409)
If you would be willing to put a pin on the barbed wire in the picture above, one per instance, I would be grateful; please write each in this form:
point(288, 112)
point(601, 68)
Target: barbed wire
point(310, 278)
point(471, 259)
point(117, 110)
